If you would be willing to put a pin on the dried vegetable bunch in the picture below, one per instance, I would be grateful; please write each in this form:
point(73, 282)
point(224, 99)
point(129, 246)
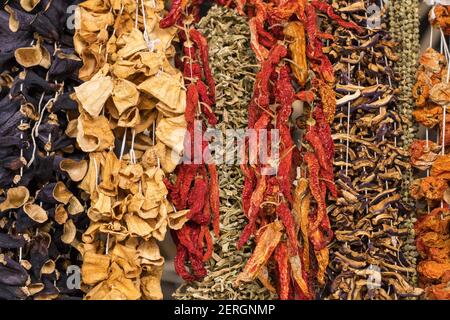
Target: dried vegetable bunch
point(367, 260)
point(131, 122)
point(439, 17)
point(233, 67)
point(431, 162)
point(40, 207)
point(431, 89)
point(404, 27)
point(284, 38)
point(196, 186)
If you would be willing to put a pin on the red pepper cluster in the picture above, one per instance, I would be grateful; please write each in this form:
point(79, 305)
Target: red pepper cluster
point(270, 198)
point(196, 187)
point(266, 198)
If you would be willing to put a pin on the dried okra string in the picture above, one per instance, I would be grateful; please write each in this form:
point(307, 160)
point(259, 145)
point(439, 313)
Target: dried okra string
point(404, 27)
point(430, 160)
point(233, 66)
point(41, 210)
point(367, 259)
point(132, 125)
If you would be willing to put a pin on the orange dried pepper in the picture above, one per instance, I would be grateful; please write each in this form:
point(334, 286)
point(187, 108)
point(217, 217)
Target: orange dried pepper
point(295, 34)
point(268, 240)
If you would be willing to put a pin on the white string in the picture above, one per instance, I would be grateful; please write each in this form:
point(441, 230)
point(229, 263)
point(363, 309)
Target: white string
point(132, 153)
point(347, 146)
point(137, 15)
point(35, 130)
point(122, 149)
point(150, 43)
point(431, 37)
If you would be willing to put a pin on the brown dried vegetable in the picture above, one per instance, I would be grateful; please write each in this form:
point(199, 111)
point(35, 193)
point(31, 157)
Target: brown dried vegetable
point(369, 219)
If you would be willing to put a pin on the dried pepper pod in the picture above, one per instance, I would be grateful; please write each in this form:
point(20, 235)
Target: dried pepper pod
point(41, 209)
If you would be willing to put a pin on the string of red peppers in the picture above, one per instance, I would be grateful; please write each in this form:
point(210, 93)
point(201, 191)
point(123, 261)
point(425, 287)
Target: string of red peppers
point(270, 198)
point(267, 198)
point(196, 187)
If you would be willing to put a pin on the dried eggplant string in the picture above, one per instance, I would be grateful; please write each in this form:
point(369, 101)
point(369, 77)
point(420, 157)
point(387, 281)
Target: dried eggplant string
point(233, 67)
point(432, 190)
point(134, 97)
point(39, 76)
point(366, 261)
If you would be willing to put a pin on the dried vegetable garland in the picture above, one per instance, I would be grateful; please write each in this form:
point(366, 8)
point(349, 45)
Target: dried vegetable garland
point(404, 27)
point(233, 66)
point(429, 158)
point(40, 207)
point(367, 260)
point(196, 187)
point(347, 206)
point(292, 226)
point(267, 200)
point(132, 124)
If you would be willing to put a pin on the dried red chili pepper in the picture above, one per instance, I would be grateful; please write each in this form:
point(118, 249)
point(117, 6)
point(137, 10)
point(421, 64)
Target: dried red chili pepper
point(188, 237)
point(285, 94)
point(265, 38)
point(174, 14)
point(191, 102)
point(214, 199)
point(249, 184)
point(329, 11)
point(179, 263)
point(206, 105)
point(209, 244)
point(198, 269)
point(261, 92)
point(285, 215)
point(314, 48)
point(197, 200)
point(255, 203)
point(315, 187)
point(306, 96)
point(285, 165)
point(202, 45)
point(282, 259)
point(190, 172)
point(315, 141)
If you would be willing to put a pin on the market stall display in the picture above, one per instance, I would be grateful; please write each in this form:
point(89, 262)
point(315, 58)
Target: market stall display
point(291, 150)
